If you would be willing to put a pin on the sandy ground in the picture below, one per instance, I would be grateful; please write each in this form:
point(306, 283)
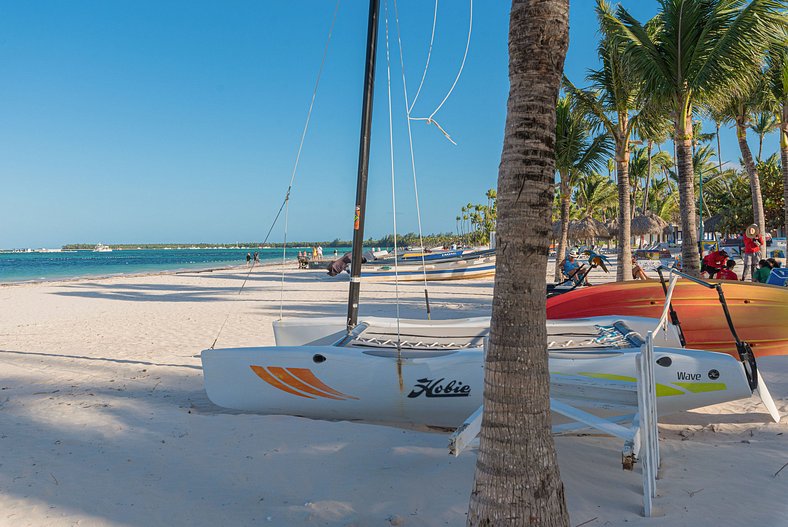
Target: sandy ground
point(104, 421)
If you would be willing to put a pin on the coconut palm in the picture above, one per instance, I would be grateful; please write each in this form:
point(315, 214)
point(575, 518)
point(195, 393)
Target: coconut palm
point(640, 168)
point(696, 51)
point(594, 195)
point(778, 82)
point(737, 109)
point(577, 153)
point(517, 480)
point(613, 98)
point(763, 123)
point(653, 127)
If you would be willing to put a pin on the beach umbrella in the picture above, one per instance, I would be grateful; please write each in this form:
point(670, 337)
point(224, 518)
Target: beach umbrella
point(556, 229)
point(587, 228)
point(648, 223)
point(713, 223)
point(612, 227)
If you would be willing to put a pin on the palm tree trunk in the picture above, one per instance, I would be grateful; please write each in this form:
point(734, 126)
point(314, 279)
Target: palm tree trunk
point(690, 256)
point(648, 178)
point(758, 214)
point(784, 159)
point(760, 146)
point(564, 237)
point(719, 147)
point(517, 480)
point(624, 252)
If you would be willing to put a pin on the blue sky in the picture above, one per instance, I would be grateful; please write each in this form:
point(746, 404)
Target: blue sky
point(179, 121)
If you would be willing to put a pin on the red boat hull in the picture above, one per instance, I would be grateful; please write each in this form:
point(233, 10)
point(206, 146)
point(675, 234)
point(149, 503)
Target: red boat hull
point(759, 311)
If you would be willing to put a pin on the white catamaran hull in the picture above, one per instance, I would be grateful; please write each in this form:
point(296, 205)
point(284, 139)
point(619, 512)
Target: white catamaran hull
point(442, 388)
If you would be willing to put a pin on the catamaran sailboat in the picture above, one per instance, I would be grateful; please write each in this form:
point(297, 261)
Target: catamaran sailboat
point(431, 373)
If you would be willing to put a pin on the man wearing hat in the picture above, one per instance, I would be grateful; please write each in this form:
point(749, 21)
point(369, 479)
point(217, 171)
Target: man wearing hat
point(714, 262)
point(753, 241)
point(570, 267)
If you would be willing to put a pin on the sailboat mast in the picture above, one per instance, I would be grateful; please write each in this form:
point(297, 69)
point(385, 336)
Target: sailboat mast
point(363, 165)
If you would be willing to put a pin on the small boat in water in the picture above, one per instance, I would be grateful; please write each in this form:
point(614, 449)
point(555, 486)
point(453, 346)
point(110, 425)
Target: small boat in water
point(101, 248)
point(758, 311)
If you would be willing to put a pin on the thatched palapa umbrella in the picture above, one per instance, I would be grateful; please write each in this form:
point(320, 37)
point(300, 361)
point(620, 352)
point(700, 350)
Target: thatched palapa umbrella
point(612, 228)
point(713, 223)
point(587, 228)
point(648, 223)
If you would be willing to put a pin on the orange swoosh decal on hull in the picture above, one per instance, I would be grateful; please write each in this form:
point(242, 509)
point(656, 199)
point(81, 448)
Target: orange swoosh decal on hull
point(308, 377)
point(287, 377)
point(276, 383)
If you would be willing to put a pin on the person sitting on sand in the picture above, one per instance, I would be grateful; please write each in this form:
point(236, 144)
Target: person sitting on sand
point(761, 275)
point(637, 272)
point(727, 273)
point(714, 262)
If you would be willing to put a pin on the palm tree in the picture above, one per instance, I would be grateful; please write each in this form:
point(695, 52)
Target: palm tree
point(641, 165)
point(764, 122)
point(653, 127)
point(696, 51)
point(778, 77)
point(737, 109)
point(612, 98)
point(577, 153)
point(594, 195)
point(517, 480)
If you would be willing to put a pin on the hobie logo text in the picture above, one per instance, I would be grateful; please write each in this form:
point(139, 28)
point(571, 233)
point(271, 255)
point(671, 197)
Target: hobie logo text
point(437, 388)
point(684, 376)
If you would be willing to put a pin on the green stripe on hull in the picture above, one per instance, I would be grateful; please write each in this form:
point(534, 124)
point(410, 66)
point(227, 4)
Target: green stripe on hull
point(701, 387)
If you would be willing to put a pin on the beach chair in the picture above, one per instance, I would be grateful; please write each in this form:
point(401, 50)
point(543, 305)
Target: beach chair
point(778, 276)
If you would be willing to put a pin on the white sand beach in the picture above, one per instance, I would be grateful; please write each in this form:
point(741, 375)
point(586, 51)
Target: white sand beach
point(104, 422)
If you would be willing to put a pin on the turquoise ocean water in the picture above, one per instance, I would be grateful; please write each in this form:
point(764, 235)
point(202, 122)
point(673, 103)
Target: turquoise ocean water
point(18, 267)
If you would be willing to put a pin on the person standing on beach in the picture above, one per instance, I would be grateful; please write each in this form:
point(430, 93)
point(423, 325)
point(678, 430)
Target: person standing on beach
point(319, 252)
point(248, 258)
point(753, 241)
point(256, 257)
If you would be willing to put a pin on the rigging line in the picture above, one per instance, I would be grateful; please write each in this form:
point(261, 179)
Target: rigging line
point(412, 155)
point(429, 53)
point(431, 118)
point(231, 311)
point(391, 155)
point(284, 260)
point(286, 202)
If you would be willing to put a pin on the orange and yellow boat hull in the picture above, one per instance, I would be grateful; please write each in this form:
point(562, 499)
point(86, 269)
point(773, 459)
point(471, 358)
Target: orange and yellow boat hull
point(759, 311)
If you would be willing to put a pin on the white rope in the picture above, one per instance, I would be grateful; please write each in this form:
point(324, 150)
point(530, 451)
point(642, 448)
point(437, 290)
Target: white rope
point(298, 154)
point(429, 52)
point(391, 155)
point(431, 118)
point(410, 141)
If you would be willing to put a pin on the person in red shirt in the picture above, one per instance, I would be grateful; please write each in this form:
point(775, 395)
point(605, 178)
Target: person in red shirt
point(714, 262)
point(727, 273)
point(753, 241)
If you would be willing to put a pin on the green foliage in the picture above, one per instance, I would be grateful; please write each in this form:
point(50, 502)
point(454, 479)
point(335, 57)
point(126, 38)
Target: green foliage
point(476, 221)
point(732, 199)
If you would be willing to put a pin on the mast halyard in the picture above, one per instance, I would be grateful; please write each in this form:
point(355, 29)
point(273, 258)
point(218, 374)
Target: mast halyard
point(363, 165)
